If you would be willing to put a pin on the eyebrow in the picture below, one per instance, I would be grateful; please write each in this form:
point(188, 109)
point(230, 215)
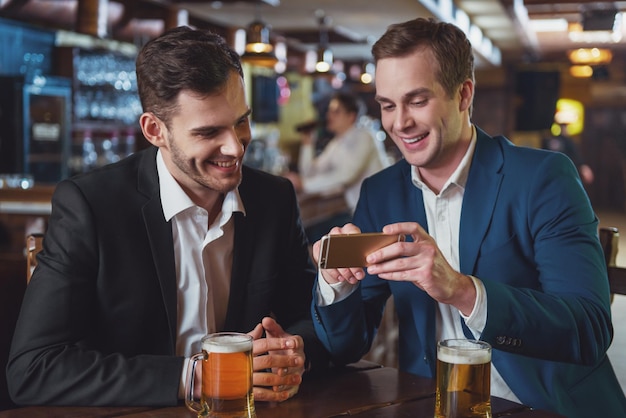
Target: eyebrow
point(202, 129)
point(407, 96)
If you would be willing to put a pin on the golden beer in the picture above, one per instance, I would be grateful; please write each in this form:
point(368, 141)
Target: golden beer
point(463, 379)
point(226, 377)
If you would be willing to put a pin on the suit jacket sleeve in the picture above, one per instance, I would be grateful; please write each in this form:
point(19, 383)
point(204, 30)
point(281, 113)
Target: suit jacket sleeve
point(76, 340)
point(544, 271)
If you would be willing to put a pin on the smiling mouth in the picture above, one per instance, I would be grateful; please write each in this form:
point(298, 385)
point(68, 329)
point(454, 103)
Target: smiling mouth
point(224, 164)
point(415, 139)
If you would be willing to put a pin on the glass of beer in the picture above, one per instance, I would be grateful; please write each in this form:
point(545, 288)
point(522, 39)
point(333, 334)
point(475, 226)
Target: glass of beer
point(226, 377)
point(463, 379)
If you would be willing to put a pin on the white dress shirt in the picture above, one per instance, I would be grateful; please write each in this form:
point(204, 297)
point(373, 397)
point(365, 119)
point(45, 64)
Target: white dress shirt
point(443, 215)
point(203, 255)
point(343, 164)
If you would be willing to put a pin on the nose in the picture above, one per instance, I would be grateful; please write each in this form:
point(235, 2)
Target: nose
point(232, 145)
point(401, 119)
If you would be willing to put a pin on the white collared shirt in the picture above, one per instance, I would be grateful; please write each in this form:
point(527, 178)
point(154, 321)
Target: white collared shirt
point(203, 256)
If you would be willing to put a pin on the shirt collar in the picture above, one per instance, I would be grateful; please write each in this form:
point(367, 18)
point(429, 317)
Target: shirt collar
point(174, 200)
point(459, 176)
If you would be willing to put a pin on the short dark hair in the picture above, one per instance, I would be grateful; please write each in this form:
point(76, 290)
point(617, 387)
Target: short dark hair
point(449, 45)
point(182, 58)
point(350, 102)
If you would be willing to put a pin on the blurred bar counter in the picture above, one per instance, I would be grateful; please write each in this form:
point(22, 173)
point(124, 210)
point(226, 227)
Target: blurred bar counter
point(26, 211)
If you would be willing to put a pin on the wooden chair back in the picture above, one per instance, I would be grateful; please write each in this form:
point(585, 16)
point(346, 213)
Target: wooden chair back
point(609, 239)
point(34, 242)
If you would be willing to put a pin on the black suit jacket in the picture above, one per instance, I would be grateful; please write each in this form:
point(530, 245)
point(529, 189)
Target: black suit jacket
point(98, 321)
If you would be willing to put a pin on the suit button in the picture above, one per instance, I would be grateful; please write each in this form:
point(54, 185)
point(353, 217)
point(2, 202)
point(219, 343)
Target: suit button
point(500, 340)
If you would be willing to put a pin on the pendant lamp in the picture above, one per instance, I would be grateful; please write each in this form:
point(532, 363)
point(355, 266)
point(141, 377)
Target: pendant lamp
point(324, 54)
point(259, 51)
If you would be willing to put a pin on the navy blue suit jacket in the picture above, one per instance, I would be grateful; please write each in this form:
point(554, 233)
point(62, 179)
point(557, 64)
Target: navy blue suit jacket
point(528, 231)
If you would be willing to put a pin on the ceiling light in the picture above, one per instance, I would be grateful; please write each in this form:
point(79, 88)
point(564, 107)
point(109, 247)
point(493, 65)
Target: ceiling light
point(577, 34)
point(259, 51)
point(581, 71)
point(548, 25)
point(590, 56)
point(324, 61)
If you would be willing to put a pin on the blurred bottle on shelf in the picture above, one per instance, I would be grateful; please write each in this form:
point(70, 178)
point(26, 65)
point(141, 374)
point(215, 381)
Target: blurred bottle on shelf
point(90, 156)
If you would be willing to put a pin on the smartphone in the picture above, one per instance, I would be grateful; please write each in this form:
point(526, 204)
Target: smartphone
point(350, 250)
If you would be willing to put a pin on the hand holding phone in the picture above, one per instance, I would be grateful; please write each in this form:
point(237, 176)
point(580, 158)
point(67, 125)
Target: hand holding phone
point(350, 250)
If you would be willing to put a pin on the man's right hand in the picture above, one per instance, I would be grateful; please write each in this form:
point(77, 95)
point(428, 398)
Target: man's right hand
point(351, 275)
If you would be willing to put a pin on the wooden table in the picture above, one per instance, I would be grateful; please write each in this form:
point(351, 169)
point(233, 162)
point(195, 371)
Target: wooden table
point(362, 390)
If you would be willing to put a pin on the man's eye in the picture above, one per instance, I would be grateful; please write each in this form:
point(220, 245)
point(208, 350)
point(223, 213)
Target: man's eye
point(206, 134)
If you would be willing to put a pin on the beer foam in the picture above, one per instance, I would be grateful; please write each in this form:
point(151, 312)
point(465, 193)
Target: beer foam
point(227, 344)
point(450, 356)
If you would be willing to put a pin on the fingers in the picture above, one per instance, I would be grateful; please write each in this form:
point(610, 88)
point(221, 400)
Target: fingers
point(275, 394)
point(407, 228)
point(351, 275)
point(278, 362)
point(257, 332)
point(281, 376)
point(279, 385)
point(316, 251)
point(272, 328)
point(281, 363)
point(291, 342)
point(346, 229)
point(394, 255)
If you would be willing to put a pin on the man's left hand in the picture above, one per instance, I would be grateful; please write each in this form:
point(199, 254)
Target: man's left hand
point(278, 362)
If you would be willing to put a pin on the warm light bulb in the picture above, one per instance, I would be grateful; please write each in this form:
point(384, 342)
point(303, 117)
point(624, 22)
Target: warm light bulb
point(366, 78)
point(581, 71)
point(322, 67)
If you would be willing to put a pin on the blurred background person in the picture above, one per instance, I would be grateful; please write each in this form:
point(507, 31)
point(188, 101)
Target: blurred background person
point(350, 156)
point(565, 144)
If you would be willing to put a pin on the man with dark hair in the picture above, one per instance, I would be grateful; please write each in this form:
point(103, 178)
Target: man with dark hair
point(502, 243)
point(144, 257)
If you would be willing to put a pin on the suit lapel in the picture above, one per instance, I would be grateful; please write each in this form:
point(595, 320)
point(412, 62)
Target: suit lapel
point(411, 206)
point(160, 237)
point(481, 192)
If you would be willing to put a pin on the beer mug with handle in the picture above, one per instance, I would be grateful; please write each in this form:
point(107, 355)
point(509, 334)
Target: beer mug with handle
point(226, 377)
point(463, 379)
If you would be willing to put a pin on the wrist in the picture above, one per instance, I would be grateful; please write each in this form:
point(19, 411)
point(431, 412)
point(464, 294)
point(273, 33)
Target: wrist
point(467, 293)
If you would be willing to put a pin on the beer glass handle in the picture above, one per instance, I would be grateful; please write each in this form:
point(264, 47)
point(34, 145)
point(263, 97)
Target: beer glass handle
point(191, 403)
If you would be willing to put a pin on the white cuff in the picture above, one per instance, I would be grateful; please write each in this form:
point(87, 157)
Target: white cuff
point(327, 294)
point(478, 317)
point(183, 380)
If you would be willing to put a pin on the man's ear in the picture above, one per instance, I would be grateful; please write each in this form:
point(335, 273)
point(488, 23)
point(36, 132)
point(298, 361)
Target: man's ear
point(153, 129)
point(467, 94)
